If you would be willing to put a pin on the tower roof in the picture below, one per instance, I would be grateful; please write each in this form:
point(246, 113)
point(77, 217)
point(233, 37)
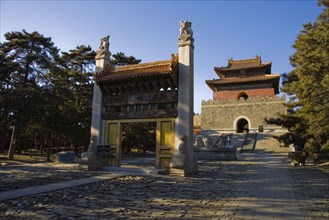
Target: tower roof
point(236, 66)
point(245, 74)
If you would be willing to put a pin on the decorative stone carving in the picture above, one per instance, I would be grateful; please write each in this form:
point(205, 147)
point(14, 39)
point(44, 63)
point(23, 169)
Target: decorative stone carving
point(181, 148)
point(92, 146)
point(174, 59)
point(105, 44)
point(178, 159)
point(89, 158)
point(103, 51)
point(185, 28)
point(214, 148)
point(186, 34)
point(206, 143)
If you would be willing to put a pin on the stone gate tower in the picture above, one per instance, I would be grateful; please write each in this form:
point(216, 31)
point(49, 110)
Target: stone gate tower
point(243, 96)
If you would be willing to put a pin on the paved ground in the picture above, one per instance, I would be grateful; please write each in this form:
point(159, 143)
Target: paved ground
point(19, 175)
point(259, 186)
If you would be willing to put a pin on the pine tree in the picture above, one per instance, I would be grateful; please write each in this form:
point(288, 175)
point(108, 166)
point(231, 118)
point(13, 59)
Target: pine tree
point(7, 68)
point(308, 87)
point(79, 68)
point(120, 59)
point(33, 55)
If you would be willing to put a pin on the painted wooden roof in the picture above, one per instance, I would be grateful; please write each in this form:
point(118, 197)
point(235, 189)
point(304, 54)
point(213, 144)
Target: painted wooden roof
point(238, 65)
point(143, 70)
point(213, 84)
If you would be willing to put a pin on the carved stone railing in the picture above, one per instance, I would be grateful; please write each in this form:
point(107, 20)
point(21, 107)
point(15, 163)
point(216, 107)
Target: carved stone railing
point(214, 148)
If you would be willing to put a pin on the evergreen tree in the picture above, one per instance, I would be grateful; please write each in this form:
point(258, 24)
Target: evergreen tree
point(79, 68)
point(139, 136)
point(7, 68)
point(120, 59)
point(33, 55)
point(308, 86)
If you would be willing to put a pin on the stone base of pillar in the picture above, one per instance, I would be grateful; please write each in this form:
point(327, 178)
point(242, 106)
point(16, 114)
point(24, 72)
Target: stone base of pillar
point(177, 165)
point(194, 171)
point(88, 161)
point(177, 171)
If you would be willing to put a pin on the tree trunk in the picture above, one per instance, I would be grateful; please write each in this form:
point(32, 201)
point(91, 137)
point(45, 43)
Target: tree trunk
point(41, 147)
point(58, 144)
point(12, 145)
point(4, 134)
point(48, 147)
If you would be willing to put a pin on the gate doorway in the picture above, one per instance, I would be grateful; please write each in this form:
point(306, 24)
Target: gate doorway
point(138, 146)
point(141, 93)
point(162, 130)
point(242, 126)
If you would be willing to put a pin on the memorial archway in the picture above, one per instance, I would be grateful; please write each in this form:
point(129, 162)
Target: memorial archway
point(149, 91)
point(139, 93)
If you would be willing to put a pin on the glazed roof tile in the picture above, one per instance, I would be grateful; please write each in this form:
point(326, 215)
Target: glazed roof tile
point(164, 67)
point(242, 64)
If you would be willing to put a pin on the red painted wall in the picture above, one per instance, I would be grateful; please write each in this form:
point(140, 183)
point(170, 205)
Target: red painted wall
point(266, 92)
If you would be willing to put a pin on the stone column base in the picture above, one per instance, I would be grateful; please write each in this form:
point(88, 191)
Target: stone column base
point(177, 165)
point(94, 165)
point(88, 161)
point(177, 171)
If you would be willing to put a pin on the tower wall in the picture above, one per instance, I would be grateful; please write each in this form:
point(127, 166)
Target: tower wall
point(252, 93)
point(224, 114)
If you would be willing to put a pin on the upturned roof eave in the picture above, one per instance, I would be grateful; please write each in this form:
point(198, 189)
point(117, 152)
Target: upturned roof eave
point(210, 85)
point(221, 70)
point(157, 68)
point(141, 66)
point(236, 80)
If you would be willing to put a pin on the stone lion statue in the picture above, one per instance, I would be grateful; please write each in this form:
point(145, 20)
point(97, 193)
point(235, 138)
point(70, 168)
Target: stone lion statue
point(105, 43)
point(186, 28)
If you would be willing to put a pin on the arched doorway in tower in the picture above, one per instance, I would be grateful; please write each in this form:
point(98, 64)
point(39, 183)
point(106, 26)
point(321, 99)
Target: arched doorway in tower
point(242, 95)
point(242, 126)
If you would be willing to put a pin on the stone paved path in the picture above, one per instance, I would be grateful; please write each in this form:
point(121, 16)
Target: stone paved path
point(258, 186)
point(20, 175)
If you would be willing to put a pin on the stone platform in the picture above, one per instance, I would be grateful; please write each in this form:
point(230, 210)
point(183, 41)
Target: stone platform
point(219, 155)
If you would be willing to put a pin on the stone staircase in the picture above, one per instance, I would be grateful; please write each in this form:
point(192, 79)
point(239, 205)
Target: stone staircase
point(249, 143)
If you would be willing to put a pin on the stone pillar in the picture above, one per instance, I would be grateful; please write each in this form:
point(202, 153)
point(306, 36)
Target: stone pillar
point(89, 158)
point(184, 121)
point(97, 123)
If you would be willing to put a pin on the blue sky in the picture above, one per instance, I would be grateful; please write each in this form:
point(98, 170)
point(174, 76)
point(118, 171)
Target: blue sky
point(149, 30)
